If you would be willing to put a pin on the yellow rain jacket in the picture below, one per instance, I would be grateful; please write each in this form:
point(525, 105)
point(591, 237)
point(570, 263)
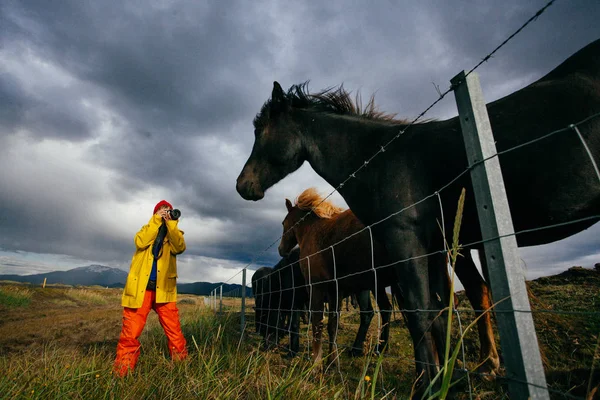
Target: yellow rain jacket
point(141, 264)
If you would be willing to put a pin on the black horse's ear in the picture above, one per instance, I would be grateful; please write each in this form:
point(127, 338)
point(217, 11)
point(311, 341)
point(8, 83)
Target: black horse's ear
point(288, 204)
point(278, 101)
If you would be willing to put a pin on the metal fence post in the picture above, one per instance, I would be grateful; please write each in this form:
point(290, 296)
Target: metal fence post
point(507, 281)
point(243, 319)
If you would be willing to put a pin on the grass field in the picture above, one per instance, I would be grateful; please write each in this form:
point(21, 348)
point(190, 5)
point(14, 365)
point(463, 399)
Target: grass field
point(59, 342)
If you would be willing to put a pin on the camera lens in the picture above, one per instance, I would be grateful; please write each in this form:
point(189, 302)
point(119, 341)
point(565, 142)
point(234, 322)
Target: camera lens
point(175, 213)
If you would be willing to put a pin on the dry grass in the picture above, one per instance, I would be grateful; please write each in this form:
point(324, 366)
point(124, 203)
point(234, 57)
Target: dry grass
point(89, 296)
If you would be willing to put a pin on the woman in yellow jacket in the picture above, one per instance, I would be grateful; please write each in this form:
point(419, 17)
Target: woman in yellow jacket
point(151, 284)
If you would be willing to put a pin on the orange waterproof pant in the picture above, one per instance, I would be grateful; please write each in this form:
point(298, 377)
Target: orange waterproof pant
point(134, 319)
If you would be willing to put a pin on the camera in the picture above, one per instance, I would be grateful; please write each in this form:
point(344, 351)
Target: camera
point(174, 214)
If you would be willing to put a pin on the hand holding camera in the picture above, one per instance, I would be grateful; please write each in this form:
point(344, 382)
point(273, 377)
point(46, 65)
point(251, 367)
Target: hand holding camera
point(168, 214)
point(174, 214)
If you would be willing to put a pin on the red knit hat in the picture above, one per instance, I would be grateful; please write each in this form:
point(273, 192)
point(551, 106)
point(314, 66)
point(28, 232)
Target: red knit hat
point(160, 204)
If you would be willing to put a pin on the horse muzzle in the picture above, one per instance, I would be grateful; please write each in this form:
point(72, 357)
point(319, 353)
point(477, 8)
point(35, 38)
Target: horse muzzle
point(283, 252)
point(248, 189)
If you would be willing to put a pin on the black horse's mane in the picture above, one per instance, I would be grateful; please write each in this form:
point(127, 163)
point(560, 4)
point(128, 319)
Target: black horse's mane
point(335, 100)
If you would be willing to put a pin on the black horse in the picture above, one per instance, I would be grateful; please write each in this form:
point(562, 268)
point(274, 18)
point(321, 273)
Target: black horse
point(280, 297)
point(549, 182)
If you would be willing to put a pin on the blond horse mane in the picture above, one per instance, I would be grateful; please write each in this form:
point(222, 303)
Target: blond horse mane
point(311, 200)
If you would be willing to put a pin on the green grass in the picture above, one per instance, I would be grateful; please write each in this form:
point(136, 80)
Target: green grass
point(14, 296)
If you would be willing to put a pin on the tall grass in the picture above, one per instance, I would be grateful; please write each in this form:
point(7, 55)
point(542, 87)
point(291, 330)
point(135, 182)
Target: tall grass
point(447, 371)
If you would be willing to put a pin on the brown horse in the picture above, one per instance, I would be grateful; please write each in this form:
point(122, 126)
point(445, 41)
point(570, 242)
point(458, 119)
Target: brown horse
point(550, 183)
point(336, 259)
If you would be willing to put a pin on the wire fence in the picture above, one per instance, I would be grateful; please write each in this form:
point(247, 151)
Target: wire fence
point(279, 305)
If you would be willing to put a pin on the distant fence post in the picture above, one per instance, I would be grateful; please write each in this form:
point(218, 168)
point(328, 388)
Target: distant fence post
point(243, 317)
point(507, 281)
point(220, 299)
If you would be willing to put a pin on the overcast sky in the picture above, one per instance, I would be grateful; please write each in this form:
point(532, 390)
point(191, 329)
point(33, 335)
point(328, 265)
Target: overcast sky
point(107, 107)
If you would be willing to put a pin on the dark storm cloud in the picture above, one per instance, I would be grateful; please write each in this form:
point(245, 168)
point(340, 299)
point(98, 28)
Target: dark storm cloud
point(164, 95)
point(14, 102)
point(180, 68)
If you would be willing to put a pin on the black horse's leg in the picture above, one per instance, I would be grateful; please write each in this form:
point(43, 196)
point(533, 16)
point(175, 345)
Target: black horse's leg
point(366, 315)
point(332, 327)
point(413, 278)
point(304, 314)
point(385, 310)
point(397, 294)
point(294, 334)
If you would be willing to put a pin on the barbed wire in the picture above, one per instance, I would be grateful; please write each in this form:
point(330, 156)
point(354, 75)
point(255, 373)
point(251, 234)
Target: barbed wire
point(382, 148)
point(458, 311)
point(336, 279)
point(436, 193)
point(571, 127)
point(467, 170)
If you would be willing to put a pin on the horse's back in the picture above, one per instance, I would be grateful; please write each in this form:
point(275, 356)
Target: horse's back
point(585, 62)
point(552, 180)
point(260, 274)
point(260, 281)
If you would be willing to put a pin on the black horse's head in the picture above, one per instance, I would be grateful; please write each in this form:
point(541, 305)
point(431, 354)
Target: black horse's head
point(277, 149)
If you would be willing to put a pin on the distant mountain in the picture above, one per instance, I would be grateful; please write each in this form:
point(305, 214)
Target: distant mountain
point(204, 289)
point(114, 278)
point(85, 276)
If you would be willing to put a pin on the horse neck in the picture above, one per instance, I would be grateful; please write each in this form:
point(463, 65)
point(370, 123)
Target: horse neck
point(336, 145)
point(308, 232)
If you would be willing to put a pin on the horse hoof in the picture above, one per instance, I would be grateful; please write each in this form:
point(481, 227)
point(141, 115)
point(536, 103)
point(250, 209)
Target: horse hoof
point(489, 370)
point(355, 353)
point(486, 374)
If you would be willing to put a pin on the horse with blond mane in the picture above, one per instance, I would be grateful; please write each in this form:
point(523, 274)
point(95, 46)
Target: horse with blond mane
point(337, 259)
